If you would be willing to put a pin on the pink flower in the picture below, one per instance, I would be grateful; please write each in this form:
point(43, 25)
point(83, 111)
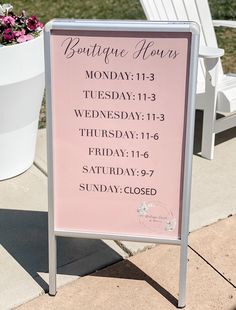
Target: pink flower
point(24, 38)
point(33, 23)
point(8, 35)
point(19, 33)
point(8, 21)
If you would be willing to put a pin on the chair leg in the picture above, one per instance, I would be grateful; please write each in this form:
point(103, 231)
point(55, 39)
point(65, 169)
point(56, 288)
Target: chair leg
point(208, 134)
point(209, 112)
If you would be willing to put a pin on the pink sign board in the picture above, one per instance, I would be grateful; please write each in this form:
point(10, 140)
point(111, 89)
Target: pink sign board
point(119, 102)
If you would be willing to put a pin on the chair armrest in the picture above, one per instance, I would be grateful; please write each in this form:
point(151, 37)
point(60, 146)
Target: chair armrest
point(224, 23)
point(210, 52)
point(211, 57)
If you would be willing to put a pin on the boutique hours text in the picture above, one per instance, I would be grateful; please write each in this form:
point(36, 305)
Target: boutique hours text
point(119, 98)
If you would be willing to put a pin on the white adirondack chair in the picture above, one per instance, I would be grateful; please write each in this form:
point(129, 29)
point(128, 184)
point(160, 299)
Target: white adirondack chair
point(216, 91)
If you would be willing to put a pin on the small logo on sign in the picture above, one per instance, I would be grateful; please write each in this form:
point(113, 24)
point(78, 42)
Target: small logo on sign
point(156, 216)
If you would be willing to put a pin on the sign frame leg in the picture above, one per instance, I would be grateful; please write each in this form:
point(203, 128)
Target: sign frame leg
point(183, 273)
point(52, 252)
point(52, 239)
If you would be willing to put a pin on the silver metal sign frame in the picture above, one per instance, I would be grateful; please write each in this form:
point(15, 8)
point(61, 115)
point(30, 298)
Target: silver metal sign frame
point(145, 26)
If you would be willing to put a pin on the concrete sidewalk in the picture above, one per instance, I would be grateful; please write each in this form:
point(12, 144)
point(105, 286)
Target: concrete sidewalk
point(149, 280)
point(23, 244)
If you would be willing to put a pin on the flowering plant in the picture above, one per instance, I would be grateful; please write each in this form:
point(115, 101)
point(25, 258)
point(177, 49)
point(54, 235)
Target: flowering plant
point(17, 28)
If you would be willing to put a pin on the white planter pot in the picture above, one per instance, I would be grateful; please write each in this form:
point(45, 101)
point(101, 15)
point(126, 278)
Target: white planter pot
point(21, 93)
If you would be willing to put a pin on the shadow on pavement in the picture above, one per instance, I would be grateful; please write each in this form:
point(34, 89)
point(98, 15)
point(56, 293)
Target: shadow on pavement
point(127, 270)
point(24, 234)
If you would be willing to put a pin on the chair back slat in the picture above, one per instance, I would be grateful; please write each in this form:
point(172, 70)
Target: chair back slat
point(161, 9)
point(206, 23)
point(180, 10)
point(170, 10)
point(199, 11)
point(193, 15)
point(150, 9)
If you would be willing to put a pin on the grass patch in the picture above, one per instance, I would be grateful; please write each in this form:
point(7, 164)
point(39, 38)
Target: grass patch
point(226, 38)
point(90, 9)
